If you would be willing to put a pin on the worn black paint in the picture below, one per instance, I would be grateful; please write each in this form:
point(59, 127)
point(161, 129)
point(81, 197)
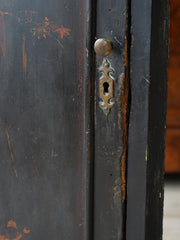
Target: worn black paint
point(111, 24)
point(149, 62)
point(45, 185)
point(59, 154)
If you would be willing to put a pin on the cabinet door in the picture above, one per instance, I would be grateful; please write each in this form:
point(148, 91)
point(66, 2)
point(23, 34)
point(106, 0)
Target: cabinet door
point(78, 131)
point(43, 156)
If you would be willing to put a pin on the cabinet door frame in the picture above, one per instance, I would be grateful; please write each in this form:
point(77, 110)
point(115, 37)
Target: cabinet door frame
point(146, 148)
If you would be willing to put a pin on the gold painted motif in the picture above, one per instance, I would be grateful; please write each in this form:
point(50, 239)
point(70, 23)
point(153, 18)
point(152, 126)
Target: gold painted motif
point(42, 30)
point(11, 232)
point(106, 87)
point(46, 28)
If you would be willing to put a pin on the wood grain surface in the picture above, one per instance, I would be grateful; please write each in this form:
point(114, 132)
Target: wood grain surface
point(173, 105)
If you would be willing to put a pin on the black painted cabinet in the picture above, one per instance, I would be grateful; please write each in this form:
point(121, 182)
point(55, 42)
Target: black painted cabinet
point(81, 135)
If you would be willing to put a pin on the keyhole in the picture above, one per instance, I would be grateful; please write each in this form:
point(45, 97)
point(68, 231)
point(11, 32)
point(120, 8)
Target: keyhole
point(106, 87)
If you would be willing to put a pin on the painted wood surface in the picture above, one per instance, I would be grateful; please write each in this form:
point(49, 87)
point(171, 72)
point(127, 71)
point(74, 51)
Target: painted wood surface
point(63, 171)
point(111, 129)
point(44, 121)
point(147, 125)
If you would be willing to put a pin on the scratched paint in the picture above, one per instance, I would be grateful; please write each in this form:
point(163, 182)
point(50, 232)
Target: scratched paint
point(2, 32)
point(124, 103)
point(12, 232)
point(123, 122)
point(24, 56)
point(117, 191)
point(11, 153)
point(2, 36)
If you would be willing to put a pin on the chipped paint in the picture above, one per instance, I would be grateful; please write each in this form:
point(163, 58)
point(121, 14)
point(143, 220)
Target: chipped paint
point(11, 228)
point(146, 155)
point(24, 56)
point(87, 52)
point(117, 191)
point(2, 36)
point(121, 88)
point(11, 153)
point(124, 119)
point(160, 195)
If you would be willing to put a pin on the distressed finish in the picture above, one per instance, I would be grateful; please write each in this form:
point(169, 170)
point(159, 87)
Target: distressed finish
point(63, 162)
point(149, 62)
point(110, 144)
point(45, 146)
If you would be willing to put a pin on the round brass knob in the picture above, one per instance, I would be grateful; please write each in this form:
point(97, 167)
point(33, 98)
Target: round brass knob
point(102, 47)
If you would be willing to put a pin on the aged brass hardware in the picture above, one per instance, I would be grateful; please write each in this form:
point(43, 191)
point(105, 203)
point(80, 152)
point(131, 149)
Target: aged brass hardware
point(102, 47)
point(106, 87)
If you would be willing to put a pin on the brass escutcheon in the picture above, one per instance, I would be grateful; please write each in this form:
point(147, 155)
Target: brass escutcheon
point(106, 87)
